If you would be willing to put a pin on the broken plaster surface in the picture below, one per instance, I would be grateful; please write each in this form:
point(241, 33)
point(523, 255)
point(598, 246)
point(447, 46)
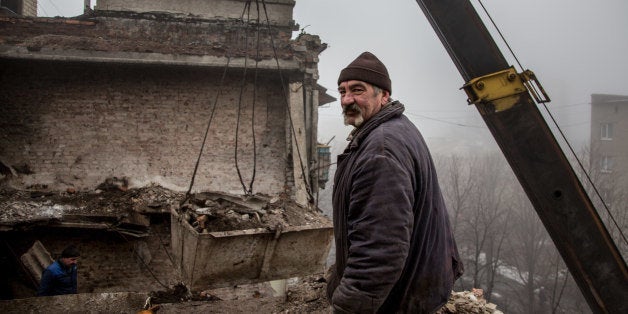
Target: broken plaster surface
point(113, 205)
point(163, 38)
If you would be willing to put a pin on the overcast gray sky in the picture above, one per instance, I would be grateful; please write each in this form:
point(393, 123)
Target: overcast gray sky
point(575, 47)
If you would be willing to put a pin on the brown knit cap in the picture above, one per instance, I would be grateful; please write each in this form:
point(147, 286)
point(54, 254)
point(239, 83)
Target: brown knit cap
point(367, 68)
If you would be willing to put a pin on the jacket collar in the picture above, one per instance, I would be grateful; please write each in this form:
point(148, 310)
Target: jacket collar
point(389, 111)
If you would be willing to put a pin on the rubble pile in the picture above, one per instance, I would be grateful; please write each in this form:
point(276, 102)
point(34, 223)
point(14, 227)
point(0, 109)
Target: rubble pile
point(306, 295)
point(115, 203)
point(302, 295)
point(468, 302)
point(108, 200)
point(210, 212)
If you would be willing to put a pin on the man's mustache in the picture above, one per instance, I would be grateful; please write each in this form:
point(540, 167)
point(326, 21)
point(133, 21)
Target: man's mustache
point(353, 107)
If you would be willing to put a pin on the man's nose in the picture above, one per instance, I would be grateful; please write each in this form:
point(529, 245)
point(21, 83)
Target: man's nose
point(346, 99)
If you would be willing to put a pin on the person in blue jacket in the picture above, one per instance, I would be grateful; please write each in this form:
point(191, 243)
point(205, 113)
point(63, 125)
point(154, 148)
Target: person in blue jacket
point(60, 277)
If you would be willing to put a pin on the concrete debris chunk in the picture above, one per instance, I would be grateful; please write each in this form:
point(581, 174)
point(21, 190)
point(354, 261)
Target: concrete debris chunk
point(35, 260)
point(468, 302)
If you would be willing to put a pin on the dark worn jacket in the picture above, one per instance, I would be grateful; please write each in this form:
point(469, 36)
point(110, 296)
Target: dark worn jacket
point(395, 252)
point(58, 279)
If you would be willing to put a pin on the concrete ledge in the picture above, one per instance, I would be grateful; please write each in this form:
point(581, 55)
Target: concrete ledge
point(121, 302)
point(16, 52)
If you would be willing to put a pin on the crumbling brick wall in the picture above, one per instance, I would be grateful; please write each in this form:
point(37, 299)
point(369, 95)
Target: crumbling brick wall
point(75, 124)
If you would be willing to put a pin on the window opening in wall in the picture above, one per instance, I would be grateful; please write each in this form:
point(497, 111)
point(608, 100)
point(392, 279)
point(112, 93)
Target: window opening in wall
point(607, 196)
point(14, 6)
point(606, 164)
point(606, 131)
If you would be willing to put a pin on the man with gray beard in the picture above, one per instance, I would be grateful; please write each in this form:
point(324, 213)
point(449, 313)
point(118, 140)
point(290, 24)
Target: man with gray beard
point(395, 251)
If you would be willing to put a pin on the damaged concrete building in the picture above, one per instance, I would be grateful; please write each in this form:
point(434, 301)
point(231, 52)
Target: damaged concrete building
point(111, 120)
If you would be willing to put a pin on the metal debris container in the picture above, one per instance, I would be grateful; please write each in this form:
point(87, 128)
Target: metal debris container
point(218, 259)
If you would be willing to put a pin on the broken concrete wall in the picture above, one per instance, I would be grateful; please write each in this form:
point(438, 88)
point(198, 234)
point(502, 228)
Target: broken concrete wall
point(35, 260)
point(75, 124)
point(279, 11)
point(132, 110)
point(142, 38)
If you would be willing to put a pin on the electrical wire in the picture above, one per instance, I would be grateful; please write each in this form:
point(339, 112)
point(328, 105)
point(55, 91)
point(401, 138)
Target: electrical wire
point(283, 87)
point(562, 134)
point(446, 122)
point(55, 6)
point(43, 10)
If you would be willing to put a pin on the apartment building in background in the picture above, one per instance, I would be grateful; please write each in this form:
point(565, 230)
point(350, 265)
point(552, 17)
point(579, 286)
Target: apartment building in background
point(609, 145)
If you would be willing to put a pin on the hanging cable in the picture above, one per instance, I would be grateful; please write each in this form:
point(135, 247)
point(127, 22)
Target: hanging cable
point(150, 271)
point(257, 58)
point(283, 87)
point(562, 134)
point(209, 123)
point(309, 135)
point(163, 245)
point(292, 128)
point(247, 10)
point(500, 33)
point(211, 117)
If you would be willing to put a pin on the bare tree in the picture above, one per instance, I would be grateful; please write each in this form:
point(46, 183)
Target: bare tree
point(528, 242)
point(476, 194)
point(505, 247)
point(486, 218)
point(457, 184)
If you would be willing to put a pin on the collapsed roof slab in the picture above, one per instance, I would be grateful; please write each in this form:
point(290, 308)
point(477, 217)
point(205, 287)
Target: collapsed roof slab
point(148, 38)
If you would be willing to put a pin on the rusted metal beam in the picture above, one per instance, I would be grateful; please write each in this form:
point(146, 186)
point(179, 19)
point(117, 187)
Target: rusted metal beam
point(537, 160)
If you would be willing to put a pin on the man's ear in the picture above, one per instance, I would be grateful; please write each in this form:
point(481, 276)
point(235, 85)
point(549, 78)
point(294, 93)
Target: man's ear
point(385, 97)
